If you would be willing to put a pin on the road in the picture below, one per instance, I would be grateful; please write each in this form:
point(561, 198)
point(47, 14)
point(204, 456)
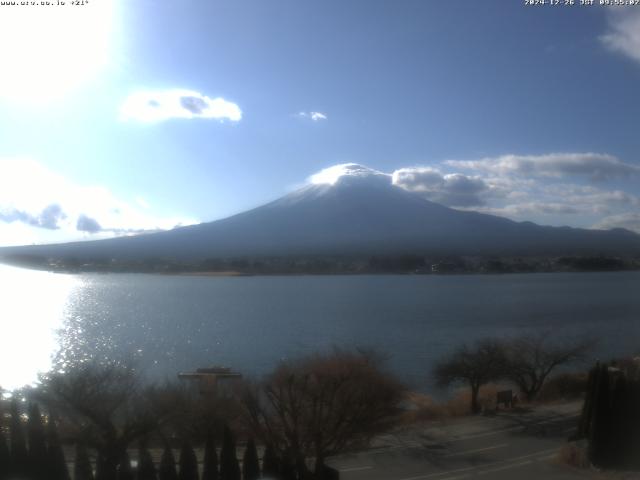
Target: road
point(510, 445)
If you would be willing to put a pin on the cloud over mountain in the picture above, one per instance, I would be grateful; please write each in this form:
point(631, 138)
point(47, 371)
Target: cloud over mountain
point(87, 224)
point(350, 210)
point(556, 189)
point(451, 189)
point(38, 205)
point(594, 166)
point(629, 220)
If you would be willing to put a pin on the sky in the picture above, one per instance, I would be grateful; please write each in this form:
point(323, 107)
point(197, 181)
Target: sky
point(120, 117)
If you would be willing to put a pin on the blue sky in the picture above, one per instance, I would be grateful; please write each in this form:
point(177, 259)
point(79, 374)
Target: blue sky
point(119, 116)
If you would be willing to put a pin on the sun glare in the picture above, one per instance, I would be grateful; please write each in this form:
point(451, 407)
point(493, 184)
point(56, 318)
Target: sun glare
point(329, 175)
point(49, 50)
point(33, 304)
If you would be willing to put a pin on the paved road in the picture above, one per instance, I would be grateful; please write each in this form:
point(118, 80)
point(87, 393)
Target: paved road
point(509, 445)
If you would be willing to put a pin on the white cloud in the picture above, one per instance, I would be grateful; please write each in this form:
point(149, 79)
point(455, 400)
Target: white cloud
point(315, 116)
point(526, 209)
point(154, 106)
point(515, 186)
point(628, 220)
point(40, 206)
point(594, 166)
point(451, 189)
point(624, 32)
point(348, 171)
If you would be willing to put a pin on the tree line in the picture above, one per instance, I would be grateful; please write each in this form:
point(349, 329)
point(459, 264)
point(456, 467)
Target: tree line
point(290, 423)
point(304, 412)
point(39, 455)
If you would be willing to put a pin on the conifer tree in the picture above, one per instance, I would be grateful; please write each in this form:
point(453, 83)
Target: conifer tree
point(270, 463)
point(167, 470)
point(601, 420)
point(103, 472)
point(18, 445)
point(611, 418)
point(124, 467)
point(210, 468)
point(620, 436)
point(82, 468)
point(634, 423)
point(287, 469)
point(250, 462)
point(37, 444)
point(188, 463)
point(586, 414)
point(229, 467)
point(55, 455)
point(146, 468)
point(5, 457)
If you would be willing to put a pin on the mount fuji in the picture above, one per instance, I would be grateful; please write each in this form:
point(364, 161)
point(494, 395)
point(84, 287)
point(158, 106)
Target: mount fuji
point(349, 210)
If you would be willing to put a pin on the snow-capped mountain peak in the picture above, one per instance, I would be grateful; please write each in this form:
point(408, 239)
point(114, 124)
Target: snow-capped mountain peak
point(350, 174)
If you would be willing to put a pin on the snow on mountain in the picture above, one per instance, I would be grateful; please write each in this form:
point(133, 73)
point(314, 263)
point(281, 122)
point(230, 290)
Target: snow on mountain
point(350, 209)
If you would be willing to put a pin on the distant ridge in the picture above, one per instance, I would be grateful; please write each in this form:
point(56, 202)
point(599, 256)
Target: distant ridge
point(358, 213)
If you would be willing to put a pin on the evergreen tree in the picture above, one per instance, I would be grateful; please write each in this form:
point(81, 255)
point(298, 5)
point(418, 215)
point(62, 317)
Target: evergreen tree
point(620, 436)
point(37, 444)
point(102, 468)
point(5, 457)
point(107, 467)
point(229, 467)
point(167, 470)
point(146, 468)
point(586, 414)
point(250, 463)
point(124, 467)
point(270, 463)
point(55, 455)
point(634, 424)
point(188, 463)
point(601, 420)
point(611, 418)
point(287, 468)
point(19, 455)
point(82, 468)
point(210, 470)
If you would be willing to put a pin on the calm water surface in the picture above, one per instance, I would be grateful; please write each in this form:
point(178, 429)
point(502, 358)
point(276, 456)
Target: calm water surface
point(173, 323)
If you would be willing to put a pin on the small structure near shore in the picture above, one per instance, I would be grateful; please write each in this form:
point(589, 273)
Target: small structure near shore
point(212, 380)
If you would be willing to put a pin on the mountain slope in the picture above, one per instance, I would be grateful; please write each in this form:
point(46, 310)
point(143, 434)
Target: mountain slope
point(358, 214)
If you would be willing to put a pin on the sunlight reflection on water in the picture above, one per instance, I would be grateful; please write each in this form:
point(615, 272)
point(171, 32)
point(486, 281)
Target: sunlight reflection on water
point(32, 309)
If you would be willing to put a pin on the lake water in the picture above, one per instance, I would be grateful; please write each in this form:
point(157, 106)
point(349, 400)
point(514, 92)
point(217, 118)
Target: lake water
point(169, 324)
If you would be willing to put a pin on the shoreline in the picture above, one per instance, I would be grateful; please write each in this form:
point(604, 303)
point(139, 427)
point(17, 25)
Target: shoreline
point(238, 273)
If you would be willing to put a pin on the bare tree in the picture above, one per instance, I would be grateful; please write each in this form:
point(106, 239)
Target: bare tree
point(322, 405)
point(474, 365)
point(103, 406)
point(531, 358)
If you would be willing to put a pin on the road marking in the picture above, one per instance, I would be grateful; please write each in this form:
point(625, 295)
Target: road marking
point(506, 467)
point(416, 444)
point(514, 428)
point(486, 434)
point(477, 450)
point(355, 469)
point(479, 467)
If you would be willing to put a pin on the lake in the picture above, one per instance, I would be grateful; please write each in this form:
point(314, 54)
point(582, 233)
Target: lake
point(168, 324)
